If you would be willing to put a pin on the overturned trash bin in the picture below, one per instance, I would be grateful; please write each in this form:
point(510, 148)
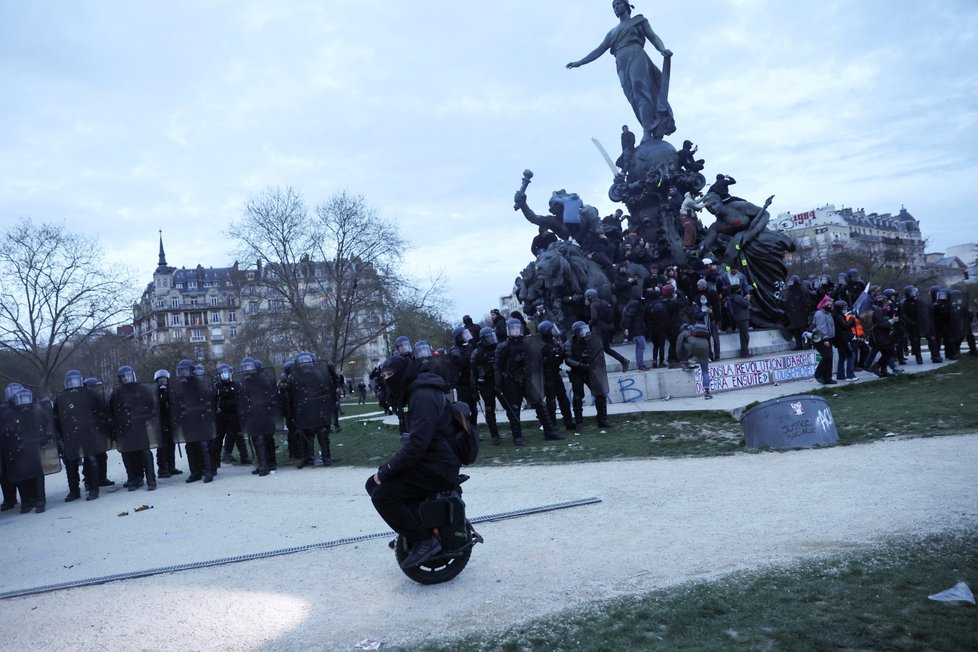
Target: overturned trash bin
point(790, 422)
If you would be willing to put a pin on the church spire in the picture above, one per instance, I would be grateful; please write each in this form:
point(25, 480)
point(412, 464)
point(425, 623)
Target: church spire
point(162, 262)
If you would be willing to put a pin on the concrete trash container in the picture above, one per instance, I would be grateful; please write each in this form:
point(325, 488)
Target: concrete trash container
point(790, 422)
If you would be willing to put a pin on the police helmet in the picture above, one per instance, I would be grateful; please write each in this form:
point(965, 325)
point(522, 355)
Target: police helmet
point(590, 295)
point(126, 375)
point(514, 328)
point(853, 272)
point(11, 390)
point(457, 334)
point(224, 372)
point(287, 367)
point(199, 370)
point(161, 377)
point(259, 365)
point(185, 369)
point(305, 358)
point(248, 364)
point(73, 379)
point(580, 328)
point(794, 279)
point(548, 328)
point(403, 346)
point(23, 396)
point(422, 349)
point(92, 382)
point(942, 294)
point(487, 336)
point(889, 293)
point(910, 292)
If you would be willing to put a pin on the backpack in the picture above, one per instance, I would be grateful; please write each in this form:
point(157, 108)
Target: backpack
point(464, 437)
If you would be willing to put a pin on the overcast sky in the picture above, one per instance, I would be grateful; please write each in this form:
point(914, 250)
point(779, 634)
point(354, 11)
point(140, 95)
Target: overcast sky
point(119, 119)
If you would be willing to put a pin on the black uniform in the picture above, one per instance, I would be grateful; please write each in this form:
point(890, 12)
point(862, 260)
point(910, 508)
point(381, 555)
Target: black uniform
point(483, 378)
point(585, 357)
point(515, 379)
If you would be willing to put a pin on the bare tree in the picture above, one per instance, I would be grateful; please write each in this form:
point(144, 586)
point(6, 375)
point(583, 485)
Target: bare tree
point(331, 283)
point(55, 294)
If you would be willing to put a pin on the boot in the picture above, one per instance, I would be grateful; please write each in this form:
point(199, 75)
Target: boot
point(261, 452)
point(323, 436)
point(150, 471)
point(73, 494)
point(91, 489)
point(601, 405)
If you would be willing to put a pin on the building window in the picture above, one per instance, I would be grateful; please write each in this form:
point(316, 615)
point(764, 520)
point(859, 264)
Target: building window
point(215, 317)
point(174, 303)
point(217, 351)
point(160, 303)
point(178, 286)
point(196, 335)
point(252, 307)
point(193, 302)
point(232, 317)
point(234, 332)
point(214, 301)
point(207, 284)
point(174, 320)
point(191, 285)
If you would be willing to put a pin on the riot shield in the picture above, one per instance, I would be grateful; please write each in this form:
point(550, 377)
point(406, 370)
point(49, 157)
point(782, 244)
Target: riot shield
point(598, 374)
point(134, 409)
point(533, 359)
point(258, 406)
point(192, 409)
point(28, 443)
point(441, 365)
point(312, 400)
point(83, 422)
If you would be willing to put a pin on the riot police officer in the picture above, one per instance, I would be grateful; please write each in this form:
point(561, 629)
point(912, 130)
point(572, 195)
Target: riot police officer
point(166, 452)
point(553, 384)
point(519, 376)
point(226, 392)
point(311, 404)
point(192, 420)
point(482, 372)
point(910, 318)
point(81, 419)
point(584, 355)
point(259, 413)
point(460, 356)
point(102, 459)
point(135, 424)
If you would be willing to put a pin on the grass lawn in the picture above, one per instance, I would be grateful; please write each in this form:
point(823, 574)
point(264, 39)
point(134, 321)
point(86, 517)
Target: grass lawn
point(935, 403)
point(868, 600)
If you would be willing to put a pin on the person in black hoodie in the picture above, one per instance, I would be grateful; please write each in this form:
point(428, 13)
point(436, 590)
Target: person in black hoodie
point(426, 462)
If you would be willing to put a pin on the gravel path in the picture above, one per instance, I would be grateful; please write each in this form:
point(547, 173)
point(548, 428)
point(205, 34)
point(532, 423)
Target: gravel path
point(661, 522)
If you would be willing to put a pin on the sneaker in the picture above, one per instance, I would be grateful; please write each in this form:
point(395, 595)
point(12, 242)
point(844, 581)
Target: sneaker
point(421, 552)
point(707, 396)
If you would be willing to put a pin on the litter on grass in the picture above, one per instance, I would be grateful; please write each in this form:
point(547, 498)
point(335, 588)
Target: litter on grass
point(957, 593)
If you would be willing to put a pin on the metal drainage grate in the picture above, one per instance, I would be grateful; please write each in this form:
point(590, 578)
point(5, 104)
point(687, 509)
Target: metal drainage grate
point(105, 579)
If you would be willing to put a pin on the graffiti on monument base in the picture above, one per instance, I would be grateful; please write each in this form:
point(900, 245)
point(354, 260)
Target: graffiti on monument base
point(752, 373)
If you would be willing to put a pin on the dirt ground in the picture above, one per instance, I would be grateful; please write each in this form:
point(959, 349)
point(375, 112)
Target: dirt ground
point(660, 523)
